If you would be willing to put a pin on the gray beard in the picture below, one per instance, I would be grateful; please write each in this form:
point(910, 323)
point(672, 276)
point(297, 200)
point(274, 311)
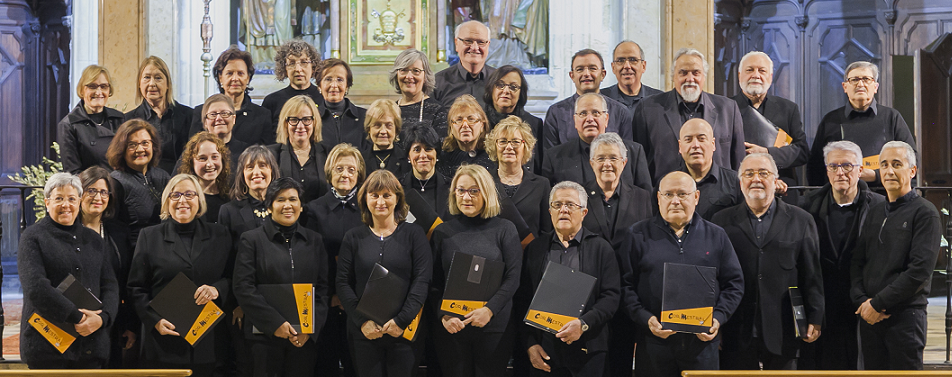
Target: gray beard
point(691, 94)
point(754, 90)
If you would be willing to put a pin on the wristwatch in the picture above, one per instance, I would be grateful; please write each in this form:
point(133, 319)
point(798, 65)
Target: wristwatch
point(584, 325)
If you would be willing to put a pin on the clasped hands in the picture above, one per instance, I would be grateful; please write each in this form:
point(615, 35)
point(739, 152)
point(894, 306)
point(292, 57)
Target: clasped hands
point(90, 322)
point(869, 314)
point(478, 318)
point(373, 331)
point(655, 326)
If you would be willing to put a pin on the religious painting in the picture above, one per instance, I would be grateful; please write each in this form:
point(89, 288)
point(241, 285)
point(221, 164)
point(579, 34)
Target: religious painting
point(380, 29)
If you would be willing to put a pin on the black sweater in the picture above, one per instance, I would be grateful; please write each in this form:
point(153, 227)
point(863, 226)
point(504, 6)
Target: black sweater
point(494, 239)
point(405, 253)
point(895, 255)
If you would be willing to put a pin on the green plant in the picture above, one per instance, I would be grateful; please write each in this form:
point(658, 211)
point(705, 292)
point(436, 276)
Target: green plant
point(36, 175)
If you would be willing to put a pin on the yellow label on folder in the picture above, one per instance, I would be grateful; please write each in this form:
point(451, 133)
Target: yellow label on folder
point(61, 340)
point(871, 162)
point(304, 297)
point(208, 317)
point(549, 320)
point(783, 139)
point(692, 316)
point(429, 233)
point(461, 307)
point(409, 333)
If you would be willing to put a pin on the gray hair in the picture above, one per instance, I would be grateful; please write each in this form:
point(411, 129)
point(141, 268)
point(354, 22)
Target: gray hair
point(766, 156)
point(62, 179)
point(600, 97)
point(861, 64)
point(910, 153)
point(610, 139)
point(751, 54)
point(692, 52)
point(406, 59)
point(460, 26)
point(569, 185)
point(640, 50)
point(845, 146)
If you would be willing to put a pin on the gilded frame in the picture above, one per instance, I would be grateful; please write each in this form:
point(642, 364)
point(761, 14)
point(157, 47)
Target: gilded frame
point(367, 35)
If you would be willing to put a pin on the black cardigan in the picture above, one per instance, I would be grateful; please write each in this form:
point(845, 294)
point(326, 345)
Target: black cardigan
point(348, 127)
point(311, 175)
point(82, 143)
point(332, 219)
point(531, 199)
point(47, 253)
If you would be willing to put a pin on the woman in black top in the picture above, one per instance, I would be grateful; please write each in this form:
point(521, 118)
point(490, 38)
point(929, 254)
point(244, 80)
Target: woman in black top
point(479, 344)
point(423, 178)
point(464, 144)
point(299, 152)
point(507, 92)
point(332, 216)
point(186, 243)
point(96, 210)
point(84, 134)
point(218, 117)
point(382, 125)
point(511, 144)
point(281, 252)
point(297, 61)
point(379, 349)
point(134, 153)
point(49, 251)
point(342, 120)
point(171, 118)
point(208, 159)
point(413, 79)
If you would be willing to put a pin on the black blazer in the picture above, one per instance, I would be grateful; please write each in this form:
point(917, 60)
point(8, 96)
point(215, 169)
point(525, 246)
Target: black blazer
point(596, 258)
point(239, 216)
point(397, 162)
point(565, 162)
point(117, 244)
point(788, 257)
point(348, 127)
point(531, 200)
point(160, 256)
point(83, 143)
point(634, 205)
point(266, 257)
point(311, 175)
point(252, 124)
point(656, 124)
point(785, 114)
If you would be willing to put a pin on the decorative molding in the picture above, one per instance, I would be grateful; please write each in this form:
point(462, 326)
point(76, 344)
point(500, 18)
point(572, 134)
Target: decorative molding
point(802, 22)
point(890, 16)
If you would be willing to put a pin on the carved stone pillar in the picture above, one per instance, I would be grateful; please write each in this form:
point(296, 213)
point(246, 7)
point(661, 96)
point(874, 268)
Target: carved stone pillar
point(688, 23)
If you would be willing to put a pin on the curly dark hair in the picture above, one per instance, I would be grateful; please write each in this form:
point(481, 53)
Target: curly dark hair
point(233, 53)
point(295, 47)
point(116, 153)
point(187, 166)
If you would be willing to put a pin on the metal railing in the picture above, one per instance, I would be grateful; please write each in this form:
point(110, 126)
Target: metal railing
point(23, 216)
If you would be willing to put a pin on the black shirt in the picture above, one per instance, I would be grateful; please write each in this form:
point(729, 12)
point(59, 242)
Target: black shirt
point(611, 206)
point(343, 122)
point(631, 101)
point(690, 111)
point(275, 101)
point(761, 224)
point(720, 189)
point(450, 161)
point(433, 115)
point(310, 175)
point(566, 256)
point(842, 218)
point(213, 204)
point(455, 81)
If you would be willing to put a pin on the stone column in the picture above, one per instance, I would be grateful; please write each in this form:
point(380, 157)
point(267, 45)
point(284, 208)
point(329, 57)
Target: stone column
point(121, 48)
point(642, 24)
point(83, 47)
point(688, 23)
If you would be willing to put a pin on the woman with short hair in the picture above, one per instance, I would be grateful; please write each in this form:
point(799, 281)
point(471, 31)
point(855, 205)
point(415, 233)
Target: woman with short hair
point(340, 117)
point(413, 79)
point(299, 151)
point(382, 125)
point(171, 119)
point(84, 134)
point(424, 177)
point(511, 145)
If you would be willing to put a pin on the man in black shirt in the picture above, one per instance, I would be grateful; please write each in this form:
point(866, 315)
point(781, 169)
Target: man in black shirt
point(298, 62)
point(892, 267)
point(862, 121)
point(718, 185)
point(470, 74)
point(628, 65)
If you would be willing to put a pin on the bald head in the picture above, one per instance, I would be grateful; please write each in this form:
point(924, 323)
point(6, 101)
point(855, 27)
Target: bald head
point(696, 145)
point(677, 198)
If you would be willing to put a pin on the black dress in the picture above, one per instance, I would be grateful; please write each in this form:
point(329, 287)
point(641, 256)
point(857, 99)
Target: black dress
point(214, 202)
point(433, 115)
point(84, 138)
point(311, 175)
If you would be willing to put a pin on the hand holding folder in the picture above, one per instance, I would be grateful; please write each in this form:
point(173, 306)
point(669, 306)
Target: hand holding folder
point(61, 335)
point(471, 282)
point(381, 301)
point(688, 298)
point(176, 304)
point(560, 298)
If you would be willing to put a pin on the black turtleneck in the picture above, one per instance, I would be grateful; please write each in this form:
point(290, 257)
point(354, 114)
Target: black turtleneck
point(335, 108)
point(286, 231)
point(68, 228)
point(97, 118)
point(185, 231)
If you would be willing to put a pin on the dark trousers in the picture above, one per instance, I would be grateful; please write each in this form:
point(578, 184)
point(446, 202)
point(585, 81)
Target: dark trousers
point(836, 349)
point(235, 355)
point(386, 356)
point(669, 357)
point(755, 356)
point(332, 349)
point(67, 364)
point(473, 352)
point(896, 343)
point(571, 361)
point(279, 358)
point(621, 344)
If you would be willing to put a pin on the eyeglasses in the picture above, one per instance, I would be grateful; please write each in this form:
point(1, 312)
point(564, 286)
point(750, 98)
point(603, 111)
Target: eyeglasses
point(224, 115)
point(846, 166)
point(512, 87)
point(632, 61)
point(603, 159)
point(60, 200)
point(856, 80)
point(681, 195)
point(292, 63)
point(333, 80)
point(470, 42)
point(146, 144)
point(473, 192)
point(104, 87)
point(557, 206)
point(306, 120)
point(469, 120)
point(349, 170)
point(414, 71)
point(763, 174)
point(516, 143)
point(93, 192)
point(591, 68)
point(189, 195)
point(593, 113)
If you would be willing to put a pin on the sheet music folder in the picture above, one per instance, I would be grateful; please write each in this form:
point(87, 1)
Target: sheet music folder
point(282, 298)
point(176, 303)
point(80, 296)
point(799, 314)
point(383, 295)
point(688, 298)
point(470, 283)
point(560, 298)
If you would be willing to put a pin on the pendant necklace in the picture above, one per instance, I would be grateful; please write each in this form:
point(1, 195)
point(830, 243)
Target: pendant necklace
point(423, 183)
point(383, 161)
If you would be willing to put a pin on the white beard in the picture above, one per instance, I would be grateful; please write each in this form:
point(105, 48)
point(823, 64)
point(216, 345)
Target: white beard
point(754, 89)
point(690, 92)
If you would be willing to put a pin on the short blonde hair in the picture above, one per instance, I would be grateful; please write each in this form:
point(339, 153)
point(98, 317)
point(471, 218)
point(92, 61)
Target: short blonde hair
point(158, 63)
point(90, 74)
point(506, 128)
point(464, 104)
point(377, 110)
point(294, 105)
point(340, 151)
point(487, 188)
point(179, 178)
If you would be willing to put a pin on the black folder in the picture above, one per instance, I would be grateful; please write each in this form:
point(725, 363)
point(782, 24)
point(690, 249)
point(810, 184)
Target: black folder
point(471, 282)
point(758, 129)
point(383, 296)
point(424, 215)
point(688, 298)
point(80, 296)
point(176, 303)
point(281, 298)
point(799, 314)
point(560, 298)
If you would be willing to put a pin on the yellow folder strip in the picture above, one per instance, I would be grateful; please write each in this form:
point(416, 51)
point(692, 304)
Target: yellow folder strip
point(210, 314)
point(871, 162)
point(461, 307)
point(691, 316)
point(304, 296)
point(782, 139)
point(549, 320)
point(60, 339)
point(409, 333)
point(429, 233)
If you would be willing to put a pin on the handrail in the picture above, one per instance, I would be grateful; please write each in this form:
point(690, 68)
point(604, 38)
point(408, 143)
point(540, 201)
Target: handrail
point(813, 373)
point(98, 372)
